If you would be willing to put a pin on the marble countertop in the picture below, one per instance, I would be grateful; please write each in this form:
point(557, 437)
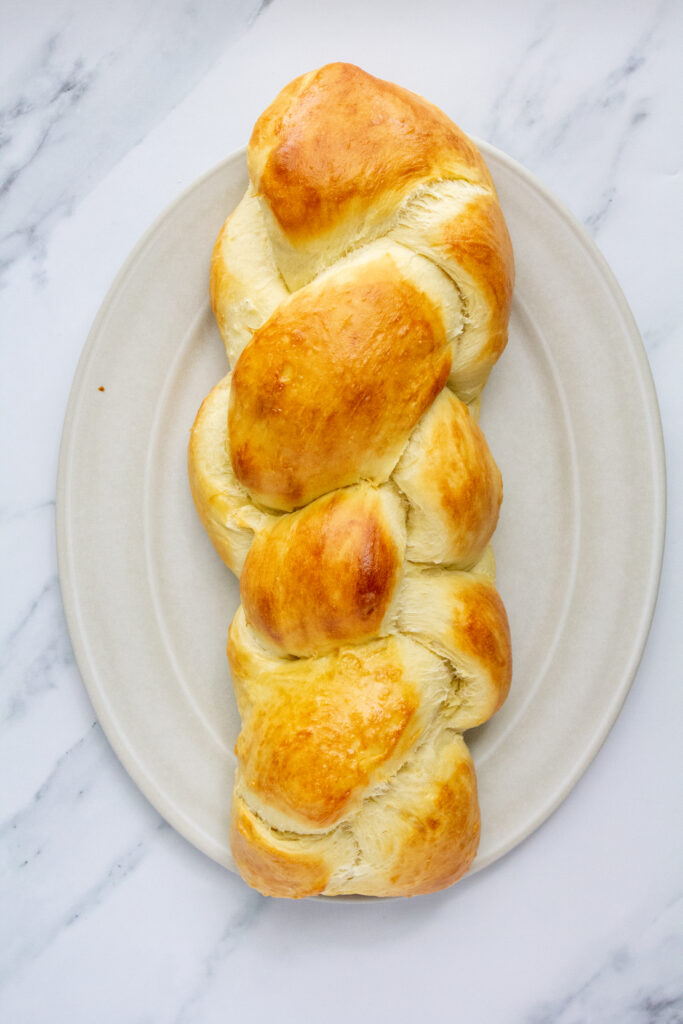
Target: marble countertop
point(108, 111)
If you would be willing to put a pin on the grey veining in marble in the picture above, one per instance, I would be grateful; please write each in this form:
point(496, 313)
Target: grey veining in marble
point(93, 84)
point(105, 913)
point(538, 119)
point(239, 924)
point(640, 982)
point(32, 650)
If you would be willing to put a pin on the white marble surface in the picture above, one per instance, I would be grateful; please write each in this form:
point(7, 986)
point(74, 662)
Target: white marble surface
point(107, 111)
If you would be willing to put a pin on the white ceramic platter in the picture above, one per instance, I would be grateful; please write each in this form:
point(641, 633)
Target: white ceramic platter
point(571, 416)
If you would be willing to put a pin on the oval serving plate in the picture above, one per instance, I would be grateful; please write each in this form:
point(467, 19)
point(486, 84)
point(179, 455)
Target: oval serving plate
point(570, 413)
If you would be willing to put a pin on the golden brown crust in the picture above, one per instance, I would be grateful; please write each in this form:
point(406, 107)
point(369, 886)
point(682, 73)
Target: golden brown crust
point(470, 500)
point(480, 632)
point(479, 242)
point(444, 842)
point(268, 866)
point(422, 832)
point(433, 845)
point(461, 615)
point(367, 267)
point(223, 506)
point(338, 139)
point(219, 278)
point(325, 576)
point(349, 366)
point(330, 728)
point(245, 284)
point(453, 483)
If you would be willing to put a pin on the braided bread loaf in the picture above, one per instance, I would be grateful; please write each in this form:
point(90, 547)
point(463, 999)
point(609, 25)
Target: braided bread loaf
point(362, 288)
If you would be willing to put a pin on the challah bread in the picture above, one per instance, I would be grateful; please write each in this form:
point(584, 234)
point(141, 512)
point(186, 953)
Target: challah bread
point(362, 288)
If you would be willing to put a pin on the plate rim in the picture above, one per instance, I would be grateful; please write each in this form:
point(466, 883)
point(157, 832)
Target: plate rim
point(87, 669)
